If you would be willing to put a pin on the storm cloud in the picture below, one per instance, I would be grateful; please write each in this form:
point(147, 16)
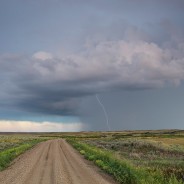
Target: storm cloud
point(51, 84)
point(54, 60)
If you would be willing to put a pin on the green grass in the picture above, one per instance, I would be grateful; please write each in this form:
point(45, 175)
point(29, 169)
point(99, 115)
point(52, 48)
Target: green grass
point(148, 154)
point(131, 157)
point(7, 155)
point(14, 140)
point(122, 169)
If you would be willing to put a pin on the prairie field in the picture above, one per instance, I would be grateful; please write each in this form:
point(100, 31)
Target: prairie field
point(130, 157)
point(136, 156)
point(13, 144)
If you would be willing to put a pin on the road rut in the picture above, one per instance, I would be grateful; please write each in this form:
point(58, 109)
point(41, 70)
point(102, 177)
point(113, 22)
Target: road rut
point(53, 162)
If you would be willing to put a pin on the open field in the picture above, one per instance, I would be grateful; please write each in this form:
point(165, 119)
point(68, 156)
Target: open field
point(146, 156)
point(12, 145)
point(133, 157)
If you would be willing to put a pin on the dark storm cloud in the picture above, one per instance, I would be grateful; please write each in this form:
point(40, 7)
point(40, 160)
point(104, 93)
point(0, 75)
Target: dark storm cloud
point(52, 84)
point(121, 45)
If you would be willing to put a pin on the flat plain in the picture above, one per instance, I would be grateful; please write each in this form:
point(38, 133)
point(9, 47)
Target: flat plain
point(131, 157)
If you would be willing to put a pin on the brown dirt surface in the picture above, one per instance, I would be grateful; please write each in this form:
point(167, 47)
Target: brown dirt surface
point(53, 162)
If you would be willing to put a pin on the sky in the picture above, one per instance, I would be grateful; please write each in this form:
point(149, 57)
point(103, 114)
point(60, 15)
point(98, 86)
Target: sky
point(57, 56)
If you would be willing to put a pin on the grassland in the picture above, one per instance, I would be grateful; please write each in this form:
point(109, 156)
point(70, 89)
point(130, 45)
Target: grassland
point(131, 157)
point(12, 145)
point(135, 157)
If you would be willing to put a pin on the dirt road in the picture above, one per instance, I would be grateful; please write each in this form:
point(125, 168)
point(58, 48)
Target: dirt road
point(52, 162)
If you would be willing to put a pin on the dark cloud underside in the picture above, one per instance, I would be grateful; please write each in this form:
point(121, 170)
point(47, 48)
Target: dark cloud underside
point(55, 55)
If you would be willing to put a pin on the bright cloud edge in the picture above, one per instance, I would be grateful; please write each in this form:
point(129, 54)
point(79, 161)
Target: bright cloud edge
point(45, 126)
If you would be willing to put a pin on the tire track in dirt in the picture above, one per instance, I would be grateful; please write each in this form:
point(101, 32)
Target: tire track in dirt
point(35, 169)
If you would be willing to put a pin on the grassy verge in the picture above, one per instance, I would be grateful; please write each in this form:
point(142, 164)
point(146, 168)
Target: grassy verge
point(122, 170)
point(7, 155)
point(148, 154)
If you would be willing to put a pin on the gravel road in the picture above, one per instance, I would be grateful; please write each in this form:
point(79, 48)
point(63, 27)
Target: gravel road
point(53, 162)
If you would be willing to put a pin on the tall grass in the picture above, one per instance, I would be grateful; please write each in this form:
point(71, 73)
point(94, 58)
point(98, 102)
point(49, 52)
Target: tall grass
point(9, 154)
point(122, 170)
